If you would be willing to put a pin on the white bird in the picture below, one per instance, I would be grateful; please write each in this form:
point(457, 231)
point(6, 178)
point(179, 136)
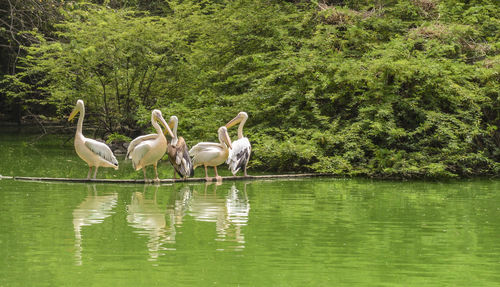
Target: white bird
point(149, 149)
point(212, 154)
point(239, 154)
point(178, 152)
point(94, 153)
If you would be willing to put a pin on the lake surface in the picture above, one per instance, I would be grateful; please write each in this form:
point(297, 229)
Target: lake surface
point(311, 232)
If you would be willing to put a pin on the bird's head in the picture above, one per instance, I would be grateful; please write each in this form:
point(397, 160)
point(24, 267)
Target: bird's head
point(172, 122)
point(78, 108)
point(224, 136)
point(242, 116)
point(158, 117)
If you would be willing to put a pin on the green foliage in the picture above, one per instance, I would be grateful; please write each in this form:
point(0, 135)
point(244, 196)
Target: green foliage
point(116, 137)
point(114, 60)
point(387, 88)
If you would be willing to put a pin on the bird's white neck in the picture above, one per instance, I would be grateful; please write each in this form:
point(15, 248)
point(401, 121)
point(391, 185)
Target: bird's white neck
point(157, 127)
point(174, 131)
point(79, 126)
point(240, 128)
point(222, 141)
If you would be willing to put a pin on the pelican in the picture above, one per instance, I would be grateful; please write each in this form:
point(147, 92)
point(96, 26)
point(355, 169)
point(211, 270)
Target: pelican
point(94, 153)
point(240, 153)
point(149, 149)
point(178, 152)
point(212, 154)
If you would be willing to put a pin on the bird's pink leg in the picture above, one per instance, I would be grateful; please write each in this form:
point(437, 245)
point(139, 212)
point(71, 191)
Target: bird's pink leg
point(217, 177)
point(88, 174)
point(206, 174)
point(95, 171)
point(157, 179)
point(144, 172)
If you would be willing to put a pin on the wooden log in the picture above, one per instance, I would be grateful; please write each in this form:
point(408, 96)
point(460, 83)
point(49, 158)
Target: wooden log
point(169, 180)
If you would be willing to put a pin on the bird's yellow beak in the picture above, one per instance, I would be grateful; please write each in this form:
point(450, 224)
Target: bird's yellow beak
point(171, 124)
point(165, 125)
point(234, 121)
point(228, 139)
point(73, 114)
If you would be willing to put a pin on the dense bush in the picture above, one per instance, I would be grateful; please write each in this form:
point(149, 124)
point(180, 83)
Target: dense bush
point(392, 89)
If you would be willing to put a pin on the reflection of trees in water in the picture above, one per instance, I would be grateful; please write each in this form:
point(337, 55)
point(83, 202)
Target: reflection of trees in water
point(93, 210)
point(150, 220)
point(229, 213)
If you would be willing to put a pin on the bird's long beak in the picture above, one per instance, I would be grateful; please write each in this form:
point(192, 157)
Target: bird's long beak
point(73, 114)
point(171, 124)
point(165, 125)
point(227, 139)
point(234, 121)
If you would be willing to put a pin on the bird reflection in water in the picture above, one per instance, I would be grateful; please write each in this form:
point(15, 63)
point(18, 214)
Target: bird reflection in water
point(150, 220)
point(238, 208)
point(181, 204)
point(229, 213)
point(93, 210)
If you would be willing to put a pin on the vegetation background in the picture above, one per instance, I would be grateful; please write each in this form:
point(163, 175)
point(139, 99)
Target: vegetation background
point(385, 88)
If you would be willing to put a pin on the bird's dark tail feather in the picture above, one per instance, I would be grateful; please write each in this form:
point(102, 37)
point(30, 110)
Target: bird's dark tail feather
point(191, 171)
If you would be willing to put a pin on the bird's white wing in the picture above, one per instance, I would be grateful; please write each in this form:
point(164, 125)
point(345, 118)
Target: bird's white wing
point(102, 150)
point(138, 140)
point(205, 151)
point(138, 152)
point(239, 154)
point(200, 147)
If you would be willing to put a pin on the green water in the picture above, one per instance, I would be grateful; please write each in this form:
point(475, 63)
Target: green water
point(311, 232)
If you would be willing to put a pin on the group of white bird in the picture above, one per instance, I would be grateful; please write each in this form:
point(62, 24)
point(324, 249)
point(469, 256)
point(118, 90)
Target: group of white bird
point(149, 149)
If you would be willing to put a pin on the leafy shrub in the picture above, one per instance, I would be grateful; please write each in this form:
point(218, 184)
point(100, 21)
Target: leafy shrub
point(386, 89)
